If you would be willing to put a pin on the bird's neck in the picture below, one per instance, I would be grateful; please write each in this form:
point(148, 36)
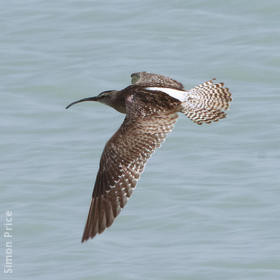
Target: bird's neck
point(117, 101)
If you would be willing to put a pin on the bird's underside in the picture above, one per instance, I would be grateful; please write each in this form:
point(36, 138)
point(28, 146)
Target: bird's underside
point(152, 105)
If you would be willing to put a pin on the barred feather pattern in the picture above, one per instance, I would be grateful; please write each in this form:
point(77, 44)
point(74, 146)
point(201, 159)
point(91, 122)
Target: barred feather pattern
point(124, 158)
point(206, 102)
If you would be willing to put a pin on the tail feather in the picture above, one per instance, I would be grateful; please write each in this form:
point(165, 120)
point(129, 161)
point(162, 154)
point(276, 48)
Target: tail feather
point(206, 102)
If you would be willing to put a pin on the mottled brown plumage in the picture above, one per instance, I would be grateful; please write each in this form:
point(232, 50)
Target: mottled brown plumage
point(151, 105)
point(146, 79)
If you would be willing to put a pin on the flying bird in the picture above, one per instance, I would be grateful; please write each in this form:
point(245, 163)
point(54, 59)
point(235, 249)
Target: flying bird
point(151, 105)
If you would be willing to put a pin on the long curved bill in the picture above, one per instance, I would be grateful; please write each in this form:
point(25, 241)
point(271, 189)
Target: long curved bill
point(82, 100)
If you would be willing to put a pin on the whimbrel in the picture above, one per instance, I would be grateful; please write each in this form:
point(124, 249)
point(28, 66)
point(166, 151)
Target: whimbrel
point(151, 105)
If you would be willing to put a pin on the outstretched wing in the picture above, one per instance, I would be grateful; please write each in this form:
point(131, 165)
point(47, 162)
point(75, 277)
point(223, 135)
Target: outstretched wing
point(125, 155)
point(146, 79)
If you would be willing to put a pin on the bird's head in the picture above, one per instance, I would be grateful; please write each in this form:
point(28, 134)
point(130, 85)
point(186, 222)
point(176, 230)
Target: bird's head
point(107, 97)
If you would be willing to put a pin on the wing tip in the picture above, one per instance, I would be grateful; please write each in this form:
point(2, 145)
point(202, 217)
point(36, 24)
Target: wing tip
point(86, 237)
point(101, 215)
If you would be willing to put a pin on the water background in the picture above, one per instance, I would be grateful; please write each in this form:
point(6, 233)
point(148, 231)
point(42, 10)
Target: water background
point(208, 203)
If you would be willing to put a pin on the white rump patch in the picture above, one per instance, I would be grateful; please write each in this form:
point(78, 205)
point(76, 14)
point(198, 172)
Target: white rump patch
point(175, 93)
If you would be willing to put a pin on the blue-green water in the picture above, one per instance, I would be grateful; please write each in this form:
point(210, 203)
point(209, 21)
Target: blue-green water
point(208, 203)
